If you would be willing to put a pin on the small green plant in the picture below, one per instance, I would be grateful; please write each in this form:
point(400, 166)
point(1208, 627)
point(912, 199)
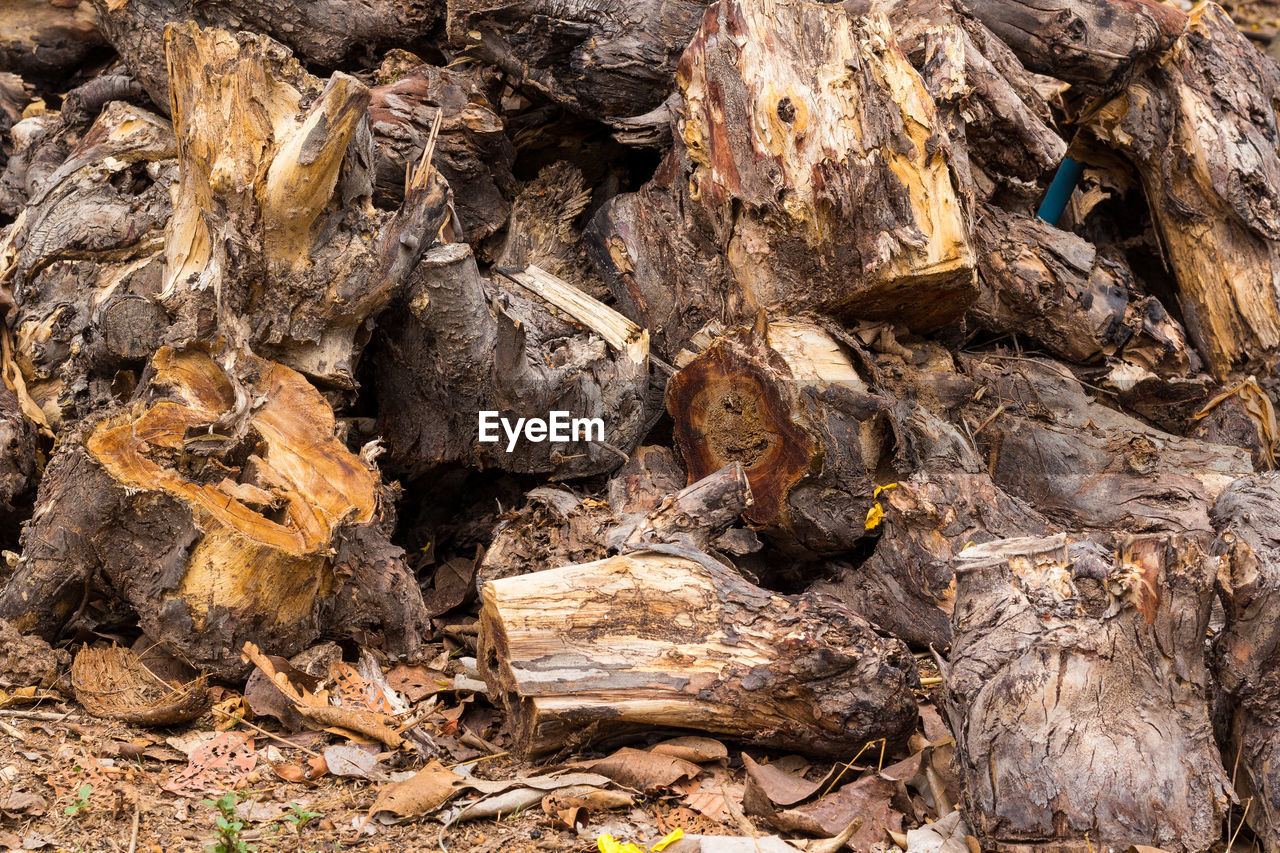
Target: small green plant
point(81, 803)
point(228, 825)
point(299, 817)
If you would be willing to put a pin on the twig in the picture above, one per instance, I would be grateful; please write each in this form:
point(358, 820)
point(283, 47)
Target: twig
point(12, 732)
point(477, 760)
point(261, 730)
point(735, 811)
point(991, 417)
point(39, 716)
point(133, 837)
point(930, 680)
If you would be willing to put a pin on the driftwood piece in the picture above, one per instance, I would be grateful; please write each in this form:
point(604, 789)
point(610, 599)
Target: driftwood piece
point(272, 536)
point(472, 151)
point(1082, 306)
point(795, 408)
point(326, 33)
point(1200, 126)
point(1094, 44)
point(907, 586)
point(600, 59)
point(1245, 654)
point(810, 172)
point(463, 345)
point(1077, 692)
point(650, 640)
point(1087, 466)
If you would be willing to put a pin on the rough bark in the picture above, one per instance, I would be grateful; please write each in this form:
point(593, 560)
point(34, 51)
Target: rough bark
point(1094, 44)
point(1060, 291)
point(601, 59)
point(649, 640)
point(1087, 466)
point(273, 536)
point(44, 40)
point(327, 33)
point(463, 344)
point(906, 588)
point(810, 172)
point(795, 408)
point(1200, 126)
point(472, 150)
point(1077, 693)
point(1247, 651)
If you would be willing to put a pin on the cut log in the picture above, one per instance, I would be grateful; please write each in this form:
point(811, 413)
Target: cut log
point(47, 41)
point(795, 408)
point(1087, 466)
point(472, 150)
point(602, 60)
point(1077, 692)
point(1093, 44)
point(907, 586)
point(1194, 124)
point(326, 33)
point(1247, 652)
point(462, 346)
point(809, 173)
point(650, 640)
point(1059, 290)
point(216, 540)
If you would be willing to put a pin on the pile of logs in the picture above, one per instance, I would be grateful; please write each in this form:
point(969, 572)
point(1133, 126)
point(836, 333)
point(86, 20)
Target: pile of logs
point(861, 388)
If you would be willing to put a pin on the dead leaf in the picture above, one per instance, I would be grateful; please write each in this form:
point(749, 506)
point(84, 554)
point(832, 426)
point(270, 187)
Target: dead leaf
point(289, 772)
point(451, 585)
point(19, 803)
point(945, 835)
point(345, 760)
point(698, 750)
point(643, 771)
point(215, 765)
point(417, 682)
point(769, 787)
point(358, 692)
point(423, 792)
point(935, 729)
point(870, 798)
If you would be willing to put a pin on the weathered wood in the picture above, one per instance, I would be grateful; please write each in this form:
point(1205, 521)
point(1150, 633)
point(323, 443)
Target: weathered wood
point(1247, 651)
point(462, 345)
point(46, 41)
point(795, 408)
point(809, 173)
point(472, 150)
point(273, 536)
point(1078, 694)
point(649, 640)
point(1087, 466)
point(907, 586)
point(1195, 124)
point(601, 59)
point(1094, 44)
point(326, 33)
point(1058, 289)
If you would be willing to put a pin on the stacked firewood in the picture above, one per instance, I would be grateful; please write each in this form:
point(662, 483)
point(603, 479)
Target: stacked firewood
point(854, 382)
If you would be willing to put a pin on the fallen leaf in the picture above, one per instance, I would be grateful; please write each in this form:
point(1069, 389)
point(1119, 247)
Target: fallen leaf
point(216, 764)
point(731, 844)
point(698, 750)
point(768, 787)
point(574, 809)
point(423, 792)
point(417, 682)
point(355, 691)
point(289, 772)
point(870, 798)
point(935, 728)
point(643, 771)
point(344, 760)
point(945, 835)
point(19, 803)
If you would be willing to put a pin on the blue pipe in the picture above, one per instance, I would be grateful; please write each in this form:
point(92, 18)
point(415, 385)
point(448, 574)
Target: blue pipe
point(1064, 181)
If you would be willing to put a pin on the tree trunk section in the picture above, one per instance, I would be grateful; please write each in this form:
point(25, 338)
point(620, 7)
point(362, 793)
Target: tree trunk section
point(1078, 696)
point(650, 640)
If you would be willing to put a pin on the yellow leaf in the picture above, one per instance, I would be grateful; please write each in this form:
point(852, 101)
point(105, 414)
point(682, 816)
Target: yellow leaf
point(674, 836)
point(874, 516)
point(886, 487)
point(608, 844)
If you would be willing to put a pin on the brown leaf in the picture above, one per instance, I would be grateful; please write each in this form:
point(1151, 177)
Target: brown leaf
point(451, 585)
point(870, 798)
point(425, 791)
point(18, 803)
point(345, 760)
point(644, 771)
point(699, 750)
point(768, 786)
point(417, 682)
point(358, 692)
point(215, 764)
point(290, 772)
